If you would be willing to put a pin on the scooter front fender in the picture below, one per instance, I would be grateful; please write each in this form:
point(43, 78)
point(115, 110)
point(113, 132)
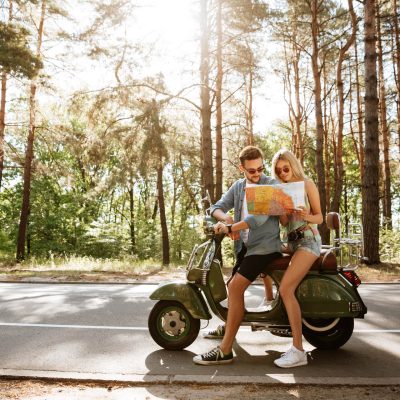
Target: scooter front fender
point(186, 293)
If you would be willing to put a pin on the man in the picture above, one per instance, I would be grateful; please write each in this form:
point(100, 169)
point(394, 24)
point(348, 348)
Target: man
point(259, 245)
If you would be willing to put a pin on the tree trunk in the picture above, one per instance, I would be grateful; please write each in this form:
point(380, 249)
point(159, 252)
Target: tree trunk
point(327, 148)
point(29, 151)
point(2, 122)
point(249, 105)
point(218, 99)
point(132, 219)
point(370, 192)
point(3, 106)
point(387, 201)
point(359, 114)
point(206, 143)
point(351, 115)
point(163, 219)
point(339, 171)
point(249, 80)
point(296, 110)
point(396, 56)
point(298, 116)
point(319, 157)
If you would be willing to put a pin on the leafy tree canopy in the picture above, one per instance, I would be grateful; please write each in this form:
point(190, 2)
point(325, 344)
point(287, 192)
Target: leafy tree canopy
point(15, 55)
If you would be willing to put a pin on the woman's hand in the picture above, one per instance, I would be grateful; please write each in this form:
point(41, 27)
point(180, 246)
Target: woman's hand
point(302, 212)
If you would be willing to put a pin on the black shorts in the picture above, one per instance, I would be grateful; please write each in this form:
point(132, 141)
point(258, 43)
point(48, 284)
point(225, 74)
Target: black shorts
point(251, 266)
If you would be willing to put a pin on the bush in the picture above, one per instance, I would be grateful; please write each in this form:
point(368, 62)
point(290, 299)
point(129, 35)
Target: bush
point(389, 246)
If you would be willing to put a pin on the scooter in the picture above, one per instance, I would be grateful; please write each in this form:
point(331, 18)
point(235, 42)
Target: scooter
point(328, 295)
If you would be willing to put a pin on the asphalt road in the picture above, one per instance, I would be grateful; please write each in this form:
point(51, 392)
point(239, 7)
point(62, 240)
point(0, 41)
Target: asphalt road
point(99, 331)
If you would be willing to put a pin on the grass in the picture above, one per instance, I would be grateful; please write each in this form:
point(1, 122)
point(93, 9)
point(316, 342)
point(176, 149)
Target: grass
point(383, 272)
point(72, 268)
point(83, 268)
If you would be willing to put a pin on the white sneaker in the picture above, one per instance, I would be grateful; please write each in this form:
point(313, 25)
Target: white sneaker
point(292, 358)
point(264, 305)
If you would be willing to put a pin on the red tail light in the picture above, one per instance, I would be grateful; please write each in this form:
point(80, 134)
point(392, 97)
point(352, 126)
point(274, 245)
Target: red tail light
point(352, 277)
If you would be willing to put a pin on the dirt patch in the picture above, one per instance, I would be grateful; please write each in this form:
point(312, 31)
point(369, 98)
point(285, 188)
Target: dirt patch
point(384, 272)
point(39, 390)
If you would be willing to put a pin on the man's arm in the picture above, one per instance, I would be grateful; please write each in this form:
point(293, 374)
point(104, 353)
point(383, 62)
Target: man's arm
point(220, 209)
point(220, 215)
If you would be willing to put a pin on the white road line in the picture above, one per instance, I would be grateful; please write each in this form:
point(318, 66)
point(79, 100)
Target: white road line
point(139, 328)
point(122, 328)
point(376, 330)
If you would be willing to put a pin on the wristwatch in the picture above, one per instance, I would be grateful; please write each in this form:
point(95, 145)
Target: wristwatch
point(229, 226)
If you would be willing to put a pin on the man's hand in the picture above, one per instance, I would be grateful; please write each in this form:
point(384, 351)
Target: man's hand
point(220, 227)
point(228, 220)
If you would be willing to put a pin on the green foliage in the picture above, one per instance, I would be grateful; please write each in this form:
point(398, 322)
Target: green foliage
point(104, 240)
point(15, 54)
point(389, 245)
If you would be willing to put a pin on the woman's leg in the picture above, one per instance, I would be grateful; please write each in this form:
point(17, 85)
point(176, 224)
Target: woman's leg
point(299, 265)
point(269, 293)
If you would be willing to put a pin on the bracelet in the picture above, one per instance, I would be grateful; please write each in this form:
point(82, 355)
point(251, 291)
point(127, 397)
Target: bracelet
point(229, 226)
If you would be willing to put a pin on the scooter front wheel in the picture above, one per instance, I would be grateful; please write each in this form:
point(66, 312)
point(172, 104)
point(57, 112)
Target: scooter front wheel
point(171, 325)
point(328, 334)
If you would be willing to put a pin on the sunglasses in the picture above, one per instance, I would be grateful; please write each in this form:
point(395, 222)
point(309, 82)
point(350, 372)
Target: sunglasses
point(285, 169)
point(252, 171)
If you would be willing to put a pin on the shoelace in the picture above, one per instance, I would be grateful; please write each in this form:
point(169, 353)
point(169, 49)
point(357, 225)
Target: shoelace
point(214, 352)
point(287, 354)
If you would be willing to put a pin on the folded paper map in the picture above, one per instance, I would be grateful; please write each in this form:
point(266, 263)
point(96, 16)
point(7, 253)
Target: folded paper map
point(277, 199)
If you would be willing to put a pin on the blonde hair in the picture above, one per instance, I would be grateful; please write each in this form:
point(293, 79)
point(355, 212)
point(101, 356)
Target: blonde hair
point(287, 155)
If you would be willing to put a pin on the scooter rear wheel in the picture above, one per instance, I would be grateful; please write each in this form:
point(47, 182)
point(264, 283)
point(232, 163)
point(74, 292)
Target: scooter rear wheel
point(328, 334)
point(171, 325)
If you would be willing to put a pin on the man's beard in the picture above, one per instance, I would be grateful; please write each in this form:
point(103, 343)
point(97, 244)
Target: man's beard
point(254, 180)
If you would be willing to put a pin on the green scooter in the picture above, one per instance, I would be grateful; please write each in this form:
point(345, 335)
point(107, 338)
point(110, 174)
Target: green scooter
point(328, 295)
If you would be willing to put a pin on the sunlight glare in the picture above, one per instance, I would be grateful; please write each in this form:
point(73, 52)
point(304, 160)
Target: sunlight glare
point(171, 25)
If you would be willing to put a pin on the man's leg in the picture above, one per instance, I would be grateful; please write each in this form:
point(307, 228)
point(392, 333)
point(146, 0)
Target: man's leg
point(223, 353)
point(236, 289)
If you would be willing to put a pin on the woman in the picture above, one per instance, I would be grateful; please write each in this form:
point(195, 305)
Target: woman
point(304, 242)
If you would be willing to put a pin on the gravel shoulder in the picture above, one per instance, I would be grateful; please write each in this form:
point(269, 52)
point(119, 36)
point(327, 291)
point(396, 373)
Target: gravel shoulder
point(40, 390)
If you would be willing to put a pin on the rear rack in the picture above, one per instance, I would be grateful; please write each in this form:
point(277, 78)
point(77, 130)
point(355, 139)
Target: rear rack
point(349, 249)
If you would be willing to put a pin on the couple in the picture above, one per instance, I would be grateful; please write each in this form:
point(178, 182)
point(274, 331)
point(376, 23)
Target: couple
point(260, 244)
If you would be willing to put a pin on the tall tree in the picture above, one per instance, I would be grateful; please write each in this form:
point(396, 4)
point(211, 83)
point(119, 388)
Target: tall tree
point(315, 7)
point(339, 170)
point(384, 129)
point(154, 153)
point(23, 223)
point(396, 57)
point(207, 170)
point(370, 181)
point(359, 112)
point(218, 105)
point(15, 58)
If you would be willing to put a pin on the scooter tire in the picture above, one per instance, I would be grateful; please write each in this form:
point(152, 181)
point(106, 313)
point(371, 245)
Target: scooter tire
point(171, 325)
point(331, 338)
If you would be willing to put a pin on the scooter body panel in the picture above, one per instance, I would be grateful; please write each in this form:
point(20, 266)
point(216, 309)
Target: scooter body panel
point(326, 296)
point(187, 294)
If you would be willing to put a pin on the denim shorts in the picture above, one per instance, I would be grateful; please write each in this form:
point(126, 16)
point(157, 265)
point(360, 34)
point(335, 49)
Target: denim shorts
point(309, 244)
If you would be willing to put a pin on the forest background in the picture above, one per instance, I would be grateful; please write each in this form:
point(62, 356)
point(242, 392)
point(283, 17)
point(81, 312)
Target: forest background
point(116, 118)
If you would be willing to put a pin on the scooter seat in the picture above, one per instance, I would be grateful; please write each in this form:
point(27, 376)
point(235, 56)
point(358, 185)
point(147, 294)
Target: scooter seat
point(324, 263)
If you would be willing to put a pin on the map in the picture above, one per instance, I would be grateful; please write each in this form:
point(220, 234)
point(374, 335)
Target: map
point(277, 199)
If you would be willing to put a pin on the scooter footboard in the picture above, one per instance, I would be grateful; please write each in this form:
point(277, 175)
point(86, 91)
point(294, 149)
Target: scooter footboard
point(186, 294)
